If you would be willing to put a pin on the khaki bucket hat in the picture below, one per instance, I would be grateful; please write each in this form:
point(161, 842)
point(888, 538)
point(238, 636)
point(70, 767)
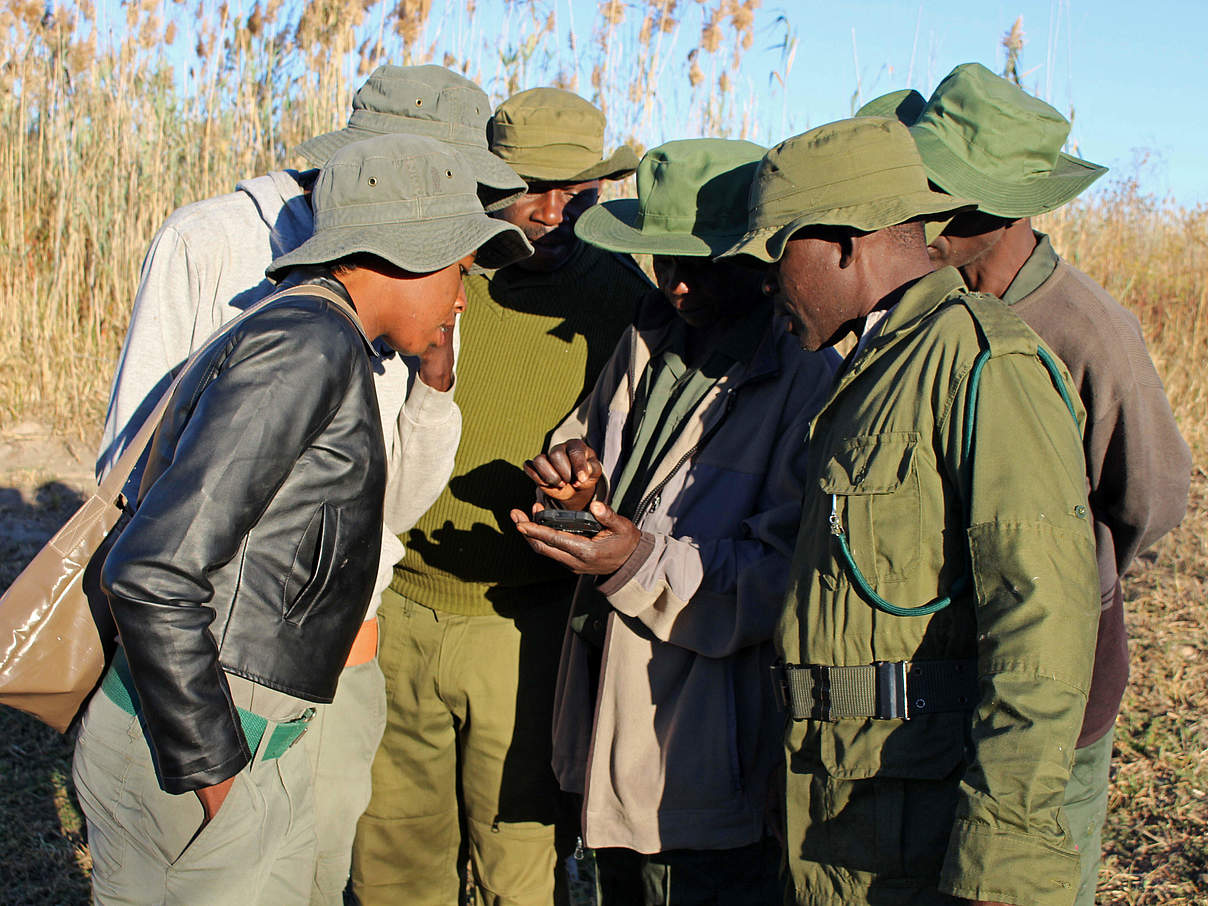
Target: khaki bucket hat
point(407, 199)
point(863, 173)
point(984, 138)
point(424, 100)
point(692, 200)
point(553, 135)
point(904, 105)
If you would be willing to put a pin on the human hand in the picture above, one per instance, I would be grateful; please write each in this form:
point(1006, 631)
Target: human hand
point(568, 473)
point(436, 365)
point(212, 797)
point(599, 555)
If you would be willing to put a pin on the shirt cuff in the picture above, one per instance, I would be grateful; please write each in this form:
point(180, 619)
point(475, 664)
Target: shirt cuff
point(1002, 866)
point(427, 406)
point(627, 570)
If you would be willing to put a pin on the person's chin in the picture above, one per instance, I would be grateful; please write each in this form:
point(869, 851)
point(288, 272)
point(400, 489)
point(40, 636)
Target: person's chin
point(552, 252)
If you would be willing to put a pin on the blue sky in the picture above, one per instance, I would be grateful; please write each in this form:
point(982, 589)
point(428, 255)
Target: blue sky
point(1130, 72)
point(1133, 74)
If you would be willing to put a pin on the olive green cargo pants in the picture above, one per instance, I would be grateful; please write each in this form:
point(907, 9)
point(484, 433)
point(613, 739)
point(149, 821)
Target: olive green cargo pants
point(1086, 810)
point(469, 703)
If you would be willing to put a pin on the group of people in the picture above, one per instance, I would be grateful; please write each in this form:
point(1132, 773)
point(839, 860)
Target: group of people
point(462, 550)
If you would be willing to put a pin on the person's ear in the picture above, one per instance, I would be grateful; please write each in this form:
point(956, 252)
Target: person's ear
point(850, 247)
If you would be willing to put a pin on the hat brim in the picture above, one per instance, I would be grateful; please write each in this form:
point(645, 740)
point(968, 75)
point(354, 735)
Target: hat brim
point(1011, 199)
point(419, 247)
point(500, 179)
point(610, 226)
point(622, 162)
point(767, 244)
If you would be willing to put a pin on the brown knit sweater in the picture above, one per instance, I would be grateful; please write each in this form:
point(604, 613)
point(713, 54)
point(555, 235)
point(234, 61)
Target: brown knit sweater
point(532, 345)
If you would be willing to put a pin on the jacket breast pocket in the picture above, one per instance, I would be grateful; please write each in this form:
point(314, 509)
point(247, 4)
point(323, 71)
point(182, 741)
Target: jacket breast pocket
point(314, 564)
point(877, 501)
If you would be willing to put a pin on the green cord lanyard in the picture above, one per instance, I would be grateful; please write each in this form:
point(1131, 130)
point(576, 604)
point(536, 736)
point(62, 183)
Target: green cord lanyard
point(958, 586)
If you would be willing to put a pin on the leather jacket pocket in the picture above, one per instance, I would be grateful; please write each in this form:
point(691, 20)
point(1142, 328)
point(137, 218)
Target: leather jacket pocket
point(877, 502)
point(314, 564)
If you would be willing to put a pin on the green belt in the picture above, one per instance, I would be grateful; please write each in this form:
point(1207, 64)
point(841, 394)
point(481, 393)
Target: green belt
point(886, 690)
point(118, 685)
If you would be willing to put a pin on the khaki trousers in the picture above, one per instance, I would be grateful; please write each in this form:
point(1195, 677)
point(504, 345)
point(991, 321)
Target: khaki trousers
point(469, 705)
point(340, 744)
point(145, 843)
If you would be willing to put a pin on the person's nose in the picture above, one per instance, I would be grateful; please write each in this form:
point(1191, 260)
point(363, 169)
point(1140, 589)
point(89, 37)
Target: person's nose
point(550, 209)
point(670, 280)
point(460, 305)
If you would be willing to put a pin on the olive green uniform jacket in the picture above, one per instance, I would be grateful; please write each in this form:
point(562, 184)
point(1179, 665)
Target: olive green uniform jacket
point(965, 803)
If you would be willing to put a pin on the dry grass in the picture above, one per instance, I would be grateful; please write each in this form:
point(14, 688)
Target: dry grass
point(101, 141)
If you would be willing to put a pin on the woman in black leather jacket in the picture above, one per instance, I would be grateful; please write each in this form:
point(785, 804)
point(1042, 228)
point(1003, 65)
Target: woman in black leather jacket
point(241, 580)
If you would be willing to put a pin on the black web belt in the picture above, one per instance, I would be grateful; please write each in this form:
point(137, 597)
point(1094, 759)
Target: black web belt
point(886, 690)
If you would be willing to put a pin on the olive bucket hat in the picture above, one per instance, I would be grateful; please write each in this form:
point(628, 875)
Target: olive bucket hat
point(407, 199)
point(692, 200)
point(863, 173)
point(984, 138)
point(905, 105)
point(424, 100)
point(553, 135)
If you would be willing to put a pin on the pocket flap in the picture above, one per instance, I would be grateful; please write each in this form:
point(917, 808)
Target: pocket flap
point(870, 464)
point(928, 747)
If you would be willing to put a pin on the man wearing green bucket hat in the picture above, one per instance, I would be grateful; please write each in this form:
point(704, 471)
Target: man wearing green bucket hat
point(472, 621)
point(240, 583)
point(987, 140)
point(937, 636)
point(663, 725)
point(206, 265)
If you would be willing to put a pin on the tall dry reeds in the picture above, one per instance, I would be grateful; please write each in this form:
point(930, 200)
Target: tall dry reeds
point(1152, 255)
point(109, 125)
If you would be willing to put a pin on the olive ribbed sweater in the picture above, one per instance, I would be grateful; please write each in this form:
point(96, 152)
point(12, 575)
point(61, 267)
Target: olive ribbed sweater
point(532, 345)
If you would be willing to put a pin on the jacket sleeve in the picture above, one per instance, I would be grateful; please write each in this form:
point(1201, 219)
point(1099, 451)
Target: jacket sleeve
point(1037, 607)
point(421, 458)
point(159, 338)
point(716, 596)
point(243, 435)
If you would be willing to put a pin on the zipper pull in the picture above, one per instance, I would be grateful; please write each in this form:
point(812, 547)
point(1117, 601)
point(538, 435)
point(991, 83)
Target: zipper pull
point(579, 848)
point(835, 527)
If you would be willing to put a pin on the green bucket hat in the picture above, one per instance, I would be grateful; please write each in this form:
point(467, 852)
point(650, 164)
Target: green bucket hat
point(553, 135)
point(904, 105)
point(692, 200)
point(424, 100)
point(405, 198)
point(983, 138)
point(863, 173)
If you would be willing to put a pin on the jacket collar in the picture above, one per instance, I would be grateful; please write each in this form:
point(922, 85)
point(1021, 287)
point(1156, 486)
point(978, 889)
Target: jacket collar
point(655, 320)
point(321, 276)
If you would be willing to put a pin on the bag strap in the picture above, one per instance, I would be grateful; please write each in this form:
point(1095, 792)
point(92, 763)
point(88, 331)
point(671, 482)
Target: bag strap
point(110, 488)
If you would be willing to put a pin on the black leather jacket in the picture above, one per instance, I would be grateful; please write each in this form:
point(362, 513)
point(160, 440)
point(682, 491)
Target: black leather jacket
point(259, 520)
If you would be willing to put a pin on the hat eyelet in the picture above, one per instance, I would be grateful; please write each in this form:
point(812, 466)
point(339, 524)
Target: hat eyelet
point(419, 102)
point(372, 181)
point(449, 174)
